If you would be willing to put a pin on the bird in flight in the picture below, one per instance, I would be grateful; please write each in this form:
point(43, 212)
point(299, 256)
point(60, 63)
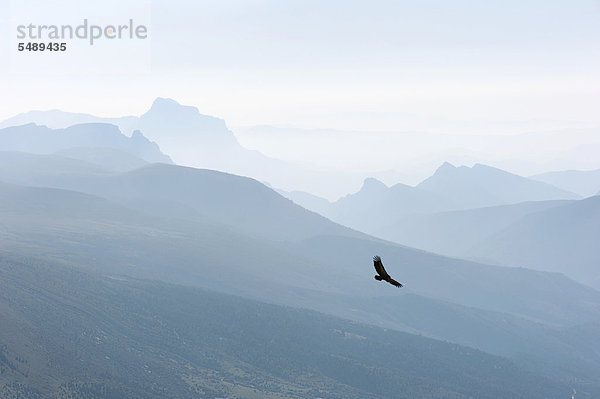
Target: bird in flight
point(382, 274)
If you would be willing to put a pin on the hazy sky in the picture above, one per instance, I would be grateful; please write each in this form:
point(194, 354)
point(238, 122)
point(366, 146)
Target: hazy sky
point(444, 65)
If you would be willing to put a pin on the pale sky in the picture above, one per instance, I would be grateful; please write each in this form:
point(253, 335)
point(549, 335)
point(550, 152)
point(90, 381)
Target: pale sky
point(457, 66)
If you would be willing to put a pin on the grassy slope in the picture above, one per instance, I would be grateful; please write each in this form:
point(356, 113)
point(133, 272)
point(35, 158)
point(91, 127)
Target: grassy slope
point(323, 273)
point(72, 334)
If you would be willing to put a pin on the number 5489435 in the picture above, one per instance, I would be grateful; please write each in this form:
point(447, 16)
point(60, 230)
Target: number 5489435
point(33, 46)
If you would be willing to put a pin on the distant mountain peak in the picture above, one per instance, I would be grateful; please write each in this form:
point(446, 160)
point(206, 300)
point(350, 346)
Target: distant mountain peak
point(170, 112)
point(372, 183)
point(169, 107)
point(138, 135)
point(164, 100)
point(484, 185)
point(445, 168)
point(480, 166)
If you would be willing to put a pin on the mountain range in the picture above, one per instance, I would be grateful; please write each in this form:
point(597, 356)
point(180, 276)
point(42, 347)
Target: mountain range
point(559, 236)
point(202, 141)
point(583, 182)
point(325, 270)
point(35, 139)
point(376, 207)
point(454, 233)
point(560, 239)
point(136, 263)
point(483, 185)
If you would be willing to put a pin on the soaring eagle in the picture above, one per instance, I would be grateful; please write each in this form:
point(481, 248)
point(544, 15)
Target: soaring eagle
point(382, 274)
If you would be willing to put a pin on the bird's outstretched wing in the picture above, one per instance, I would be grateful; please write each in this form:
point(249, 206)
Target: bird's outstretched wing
point(379, 268)
point(394, 282)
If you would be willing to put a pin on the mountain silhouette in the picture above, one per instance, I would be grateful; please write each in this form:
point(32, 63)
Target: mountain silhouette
point(202, 141)
point(37, 139)
point(483, 185)
point(376, 205)
point(583, 182)
point(375, 208)
point(560, 239)
point(455, 233)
